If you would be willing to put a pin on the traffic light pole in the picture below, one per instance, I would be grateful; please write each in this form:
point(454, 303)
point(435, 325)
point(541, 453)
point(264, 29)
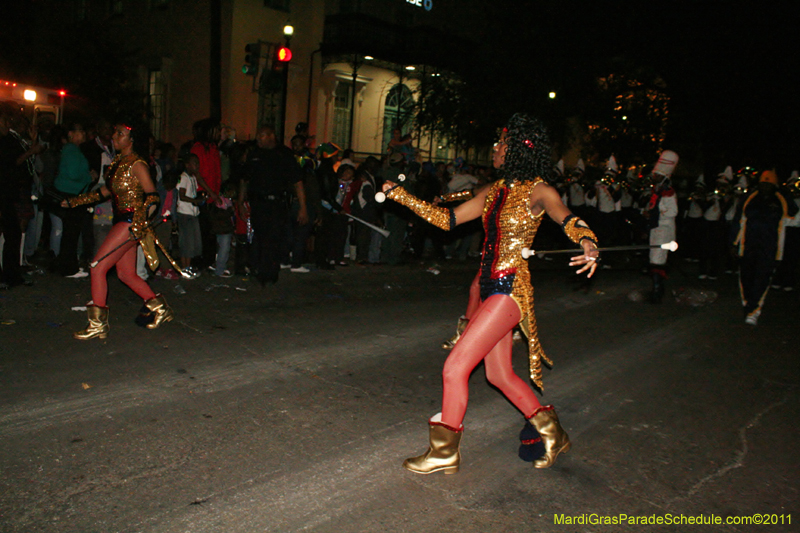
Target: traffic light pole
point(284, 97)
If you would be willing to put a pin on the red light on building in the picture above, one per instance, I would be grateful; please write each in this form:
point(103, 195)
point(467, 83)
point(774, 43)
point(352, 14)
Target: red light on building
point(62, 93)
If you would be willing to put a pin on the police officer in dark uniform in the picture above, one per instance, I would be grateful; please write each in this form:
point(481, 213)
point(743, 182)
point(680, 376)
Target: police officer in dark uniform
point(271, 173)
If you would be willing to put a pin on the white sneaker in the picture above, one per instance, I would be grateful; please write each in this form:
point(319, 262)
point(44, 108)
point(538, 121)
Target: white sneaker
point(752, 318)
point(300, 270)
point(284, 267)
point(81, 273)
point(702, 276)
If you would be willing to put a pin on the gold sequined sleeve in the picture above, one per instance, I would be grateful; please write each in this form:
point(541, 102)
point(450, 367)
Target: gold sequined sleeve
point(85, 198)
point(459, 196)
point(441, 217)
point(577, 230)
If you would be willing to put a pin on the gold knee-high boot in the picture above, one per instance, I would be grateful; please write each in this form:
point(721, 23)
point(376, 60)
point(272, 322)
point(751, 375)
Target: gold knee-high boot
point(161, 311)
point(462, 325)
point(443, 452)
point(98, 324)
point(554, 438)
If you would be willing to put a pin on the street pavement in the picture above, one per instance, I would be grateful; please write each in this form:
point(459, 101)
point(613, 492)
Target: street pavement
point(291, 407)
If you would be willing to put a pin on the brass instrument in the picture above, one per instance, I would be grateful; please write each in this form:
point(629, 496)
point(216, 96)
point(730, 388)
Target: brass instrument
point(793, 186)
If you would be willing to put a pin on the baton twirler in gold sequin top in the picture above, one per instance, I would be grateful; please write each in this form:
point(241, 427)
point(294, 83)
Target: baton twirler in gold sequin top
point(510, 226)
point(127, 195)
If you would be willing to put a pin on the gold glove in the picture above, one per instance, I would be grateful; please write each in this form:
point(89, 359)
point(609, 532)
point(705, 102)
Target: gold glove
point(145, 214)
point(85, 198)
point(441, 217)
point(577, 230)
point(459, 196)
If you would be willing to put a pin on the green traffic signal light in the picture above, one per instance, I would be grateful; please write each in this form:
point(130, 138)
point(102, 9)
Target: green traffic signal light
point(252, 59)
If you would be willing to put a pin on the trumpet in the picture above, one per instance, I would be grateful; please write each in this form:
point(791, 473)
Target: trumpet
point(794, 187)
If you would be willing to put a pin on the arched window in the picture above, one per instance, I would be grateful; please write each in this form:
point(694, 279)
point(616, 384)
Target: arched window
point(398, 112)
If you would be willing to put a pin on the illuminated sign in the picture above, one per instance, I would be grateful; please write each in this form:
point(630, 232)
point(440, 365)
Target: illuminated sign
point(427, 4)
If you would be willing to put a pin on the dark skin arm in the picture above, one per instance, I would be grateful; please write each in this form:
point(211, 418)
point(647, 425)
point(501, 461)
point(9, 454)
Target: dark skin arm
point(300, 191)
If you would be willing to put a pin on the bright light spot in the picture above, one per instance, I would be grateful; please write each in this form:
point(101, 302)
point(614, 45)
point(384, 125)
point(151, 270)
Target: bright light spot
point(284, 54)
point(552, 95)
point(411, 67)
point(288, 30)
point(29, 95)
point(62, 93)
point(368, 58)
point(624, 117)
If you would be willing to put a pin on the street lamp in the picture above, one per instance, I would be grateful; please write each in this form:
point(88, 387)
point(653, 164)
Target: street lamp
point(288, 31)
point(552, 95)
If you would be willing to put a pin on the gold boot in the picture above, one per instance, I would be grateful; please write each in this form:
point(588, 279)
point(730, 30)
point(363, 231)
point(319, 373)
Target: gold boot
point(554, 438)
point(462, 325)
point(443, 453)
point(160, 310)
point(98, 324)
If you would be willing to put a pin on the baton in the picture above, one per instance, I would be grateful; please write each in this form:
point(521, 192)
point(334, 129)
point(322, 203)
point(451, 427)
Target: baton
point(380, 196)
point(382, 231)
point(170, 259)
point(671, 246)
point(152, 225)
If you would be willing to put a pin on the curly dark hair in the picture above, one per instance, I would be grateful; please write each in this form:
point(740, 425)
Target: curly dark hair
point(140, 135)
point(529, 149)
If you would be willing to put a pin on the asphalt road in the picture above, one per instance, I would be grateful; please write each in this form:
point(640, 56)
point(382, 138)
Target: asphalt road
point(291, 408)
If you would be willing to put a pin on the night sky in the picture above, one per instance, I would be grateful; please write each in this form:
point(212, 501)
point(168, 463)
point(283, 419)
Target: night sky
point(730, 67)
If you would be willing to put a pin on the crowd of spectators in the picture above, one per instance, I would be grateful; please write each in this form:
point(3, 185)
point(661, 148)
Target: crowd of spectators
point(256, 208)
point(228, 207)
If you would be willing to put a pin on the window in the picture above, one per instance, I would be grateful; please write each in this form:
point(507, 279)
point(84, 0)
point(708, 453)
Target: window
point(280, 5)
point(342, 106)
point(398, 112)
point(155, 98)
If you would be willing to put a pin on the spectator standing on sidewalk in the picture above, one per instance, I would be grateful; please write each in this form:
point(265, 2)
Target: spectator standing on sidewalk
point(188, 215)
point(74, 178)
point(222, 226)
point(209, 180)
point(15, 165)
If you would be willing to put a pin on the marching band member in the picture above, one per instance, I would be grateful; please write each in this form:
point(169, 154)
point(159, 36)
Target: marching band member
point(661, 213)
point(786, 275)
point(760, 240)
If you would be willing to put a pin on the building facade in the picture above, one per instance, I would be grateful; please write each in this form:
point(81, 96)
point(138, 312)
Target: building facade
point(356, 71)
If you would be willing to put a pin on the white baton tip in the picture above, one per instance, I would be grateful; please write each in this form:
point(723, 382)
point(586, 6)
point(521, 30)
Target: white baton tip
point(401, 177)
point(527, 252)
point(380, 197)
point(671, 246)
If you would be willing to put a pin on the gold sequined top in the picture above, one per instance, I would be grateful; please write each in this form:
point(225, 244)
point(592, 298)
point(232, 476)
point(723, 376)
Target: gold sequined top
point(127, 194)
point(510, 226)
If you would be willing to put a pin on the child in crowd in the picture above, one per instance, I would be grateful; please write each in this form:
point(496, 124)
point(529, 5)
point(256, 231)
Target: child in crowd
point(244, 236)
point(164, 228)
point(222, 227)
point(188, 215)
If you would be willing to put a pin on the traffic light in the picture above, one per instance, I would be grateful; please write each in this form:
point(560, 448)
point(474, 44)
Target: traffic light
point(283, 54)
point(252, 59)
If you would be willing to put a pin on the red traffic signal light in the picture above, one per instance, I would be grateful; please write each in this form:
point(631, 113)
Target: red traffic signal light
point(284, 54)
